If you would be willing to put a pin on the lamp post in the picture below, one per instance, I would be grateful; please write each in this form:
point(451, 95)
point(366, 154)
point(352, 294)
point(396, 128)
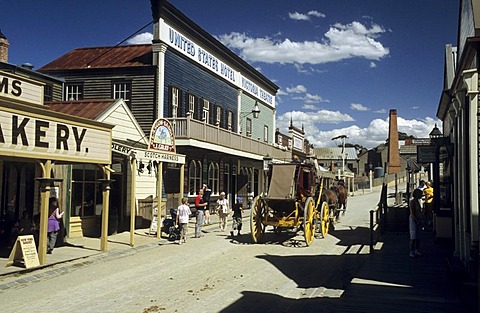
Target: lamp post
point(267, 160)
point(436, 139)
point(255, 111)
point(343, 138)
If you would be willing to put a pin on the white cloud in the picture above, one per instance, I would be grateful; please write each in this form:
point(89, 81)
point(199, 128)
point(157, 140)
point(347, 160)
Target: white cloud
point(415, 108)
point(309, 107)
point(380, 111)
point(373, 65)
point(315, 13)
point(297, 89)
point(298, 16)
point(371, 136)
point(280, 92)
point(305, 17)
point(341, 42)
point(309, 98)
point(142, 38)
point(358, 107)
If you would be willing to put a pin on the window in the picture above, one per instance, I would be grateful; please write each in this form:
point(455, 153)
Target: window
point(229, 120)
point(206, 109)
point(123, 90)
point(174, 102)
point(87, 196)
point(218, 118)
point(249, 127)
point(265, 133)
point(279, 139)
point(48, 93)
point(74, 91)
point(214, 178)
point(194, 177)
point(191, 104)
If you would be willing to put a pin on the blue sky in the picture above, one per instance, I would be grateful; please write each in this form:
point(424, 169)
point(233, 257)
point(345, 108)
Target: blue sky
point(341, 65)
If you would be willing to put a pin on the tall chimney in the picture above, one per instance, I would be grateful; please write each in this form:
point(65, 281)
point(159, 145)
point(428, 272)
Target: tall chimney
point(3, 48)
point(393, 153)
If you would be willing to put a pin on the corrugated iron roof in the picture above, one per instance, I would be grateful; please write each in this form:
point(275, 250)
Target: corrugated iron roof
point(102, 57)
point(335, 153)
point(90, 109)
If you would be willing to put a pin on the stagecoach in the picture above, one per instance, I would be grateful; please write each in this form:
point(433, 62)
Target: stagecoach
point(293, 201)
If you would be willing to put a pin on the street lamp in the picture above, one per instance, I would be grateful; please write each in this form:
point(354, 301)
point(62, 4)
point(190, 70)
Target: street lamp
point(255, 111)
point(343, 138)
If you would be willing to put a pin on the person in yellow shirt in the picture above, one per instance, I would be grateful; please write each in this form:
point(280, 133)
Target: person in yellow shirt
point(428, 205)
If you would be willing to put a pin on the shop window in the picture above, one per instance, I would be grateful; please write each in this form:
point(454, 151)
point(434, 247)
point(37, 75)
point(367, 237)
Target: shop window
point(214, 178)
point(194, 176)
point(87, 195)
point(123, 90)
point(74, 91)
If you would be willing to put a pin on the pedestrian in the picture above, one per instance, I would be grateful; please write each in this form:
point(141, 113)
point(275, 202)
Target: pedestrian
point(53, 225)
point(237, 217)
point(206, 199)
point(26, 224)
point(415, 223)
point(183, 215)
point(223, 211)
point(421, 185)
point(428, 204)
point(200, 217)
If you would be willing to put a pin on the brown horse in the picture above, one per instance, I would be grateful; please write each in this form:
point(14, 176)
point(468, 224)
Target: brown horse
point(330, 196)
point(342, 197)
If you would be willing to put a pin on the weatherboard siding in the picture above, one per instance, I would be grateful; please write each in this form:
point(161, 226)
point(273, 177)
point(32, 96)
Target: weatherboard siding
point(190, 78)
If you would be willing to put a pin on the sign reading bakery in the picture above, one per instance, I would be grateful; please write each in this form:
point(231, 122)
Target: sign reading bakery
point(12, 87)
point(40, 136)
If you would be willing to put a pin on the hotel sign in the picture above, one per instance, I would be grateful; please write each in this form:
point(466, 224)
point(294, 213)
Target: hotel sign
point(20, 89)
point(161, 136)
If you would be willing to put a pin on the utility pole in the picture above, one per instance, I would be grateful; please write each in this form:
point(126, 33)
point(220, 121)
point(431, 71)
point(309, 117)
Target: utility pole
point(343, 138)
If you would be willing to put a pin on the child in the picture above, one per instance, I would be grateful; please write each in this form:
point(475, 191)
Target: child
point(183, 214)
point(237, 216)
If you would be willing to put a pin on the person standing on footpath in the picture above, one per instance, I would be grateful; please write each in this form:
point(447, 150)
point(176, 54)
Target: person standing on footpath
point(428, 205)
point(206, 199)
point(199, 206)
point(237, 217)
point(223, 211)
point(415, 223)
point(53, 225)
point(183, 215)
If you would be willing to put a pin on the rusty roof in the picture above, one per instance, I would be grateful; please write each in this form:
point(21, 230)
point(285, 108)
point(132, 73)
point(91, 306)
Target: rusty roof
point(90, 109)
point(102, 57)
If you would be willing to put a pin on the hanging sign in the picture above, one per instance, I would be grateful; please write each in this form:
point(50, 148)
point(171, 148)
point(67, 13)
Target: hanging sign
point(161, 136)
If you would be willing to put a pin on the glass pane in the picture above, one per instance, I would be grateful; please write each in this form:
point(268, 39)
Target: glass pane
point(88, 204)
point(76, 199)
point(77, 174)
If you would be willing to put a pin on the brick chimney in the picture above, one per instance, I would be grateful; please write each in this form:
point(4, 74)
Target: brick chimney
point(393, 152)
point(3, 48)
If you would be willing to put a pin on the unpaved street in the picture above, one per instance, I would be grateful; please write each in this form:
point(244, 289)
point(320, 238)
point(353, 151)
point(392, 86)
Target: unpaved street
point(215, 273)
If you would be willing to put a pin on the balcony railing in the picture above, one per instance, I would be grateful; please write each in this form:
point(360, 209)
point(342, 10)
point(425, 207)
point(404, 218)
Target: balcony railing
point(189, 128)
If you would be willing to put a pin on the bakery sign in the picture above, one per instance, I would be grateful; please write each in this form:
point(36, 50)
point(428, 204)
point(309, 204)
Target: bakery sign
point(161, 136)
point(39, 136)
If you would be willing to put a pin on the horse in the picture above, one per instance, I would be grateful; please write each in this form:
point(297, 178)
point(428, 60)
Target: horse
point(342, 197)
point(330, 196)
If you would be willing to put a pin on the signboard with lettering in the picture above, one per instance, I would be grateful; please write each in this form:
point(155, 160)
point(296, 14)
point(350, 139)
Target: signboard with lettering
point(426, 154)
point(33, 135)
point(24, 251)
point(13, 87)
point(203, 56)
point(161, 136)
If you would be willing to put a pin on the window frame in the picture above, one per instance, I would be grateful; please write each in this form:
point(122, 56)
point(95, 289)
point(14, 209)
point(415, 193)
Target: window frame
point(74, 91)
point(122, 89)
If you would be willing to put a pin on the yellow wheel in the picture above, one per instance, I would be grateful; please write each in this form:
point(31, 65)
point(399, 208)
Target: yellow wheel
point(308, 221)
point(257, 228)
point(324, 219)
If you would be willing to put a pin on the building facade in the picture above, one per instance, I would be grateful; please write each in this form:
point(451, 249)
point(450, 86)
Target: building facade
point(222, 110)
